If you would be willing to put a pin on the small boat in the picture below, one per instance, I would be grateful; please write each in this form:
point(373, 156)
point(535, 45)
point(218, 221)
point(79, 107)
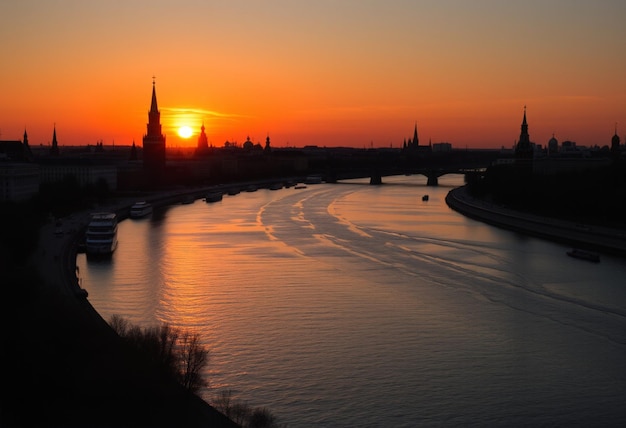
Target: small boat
point(425, 198)
point(300, 186)
point(276, 186)
point(140, 209)
point(214, 196)
point(233, 191)
point(187, 199)
point(101, 235)
point(313, 179)
point(584, 255)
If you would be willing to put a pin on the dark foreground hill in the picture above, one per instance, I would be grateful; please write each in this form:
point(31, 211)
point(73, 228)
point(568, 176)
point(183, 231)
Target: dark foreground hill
point(62, 366)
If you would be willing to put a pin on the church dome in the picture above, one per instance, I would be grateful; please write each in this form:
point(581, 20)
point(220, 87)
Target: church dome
point(615, 140)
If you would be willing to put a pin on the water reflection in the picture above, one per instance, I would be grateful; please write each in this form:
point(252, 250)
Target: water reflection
point(333, 305)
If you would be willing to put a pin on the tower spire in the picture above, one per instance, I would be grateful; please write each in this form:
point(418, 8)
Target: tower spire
point(54, 150)
point(154, 140)
point(524, 148)
point(153, 105)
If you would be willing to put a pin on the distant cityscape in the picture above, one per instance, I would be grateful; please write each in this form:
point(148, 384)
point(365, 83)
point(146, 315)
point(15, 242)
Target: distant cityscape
point(25, 168)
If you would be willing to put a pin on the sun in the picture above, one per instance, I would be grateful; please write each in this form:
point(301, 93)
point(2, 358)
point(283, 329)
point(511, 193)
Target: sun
point(185, 132)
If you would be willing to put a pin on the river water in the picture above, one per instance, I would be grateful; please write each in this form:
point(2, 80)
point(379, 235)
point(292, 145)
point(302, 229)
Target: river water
point(350, 305)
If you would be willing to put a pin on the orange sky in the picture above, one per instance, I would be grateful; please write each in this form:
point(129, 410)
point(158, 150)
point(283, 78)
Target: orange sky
point(341, 72)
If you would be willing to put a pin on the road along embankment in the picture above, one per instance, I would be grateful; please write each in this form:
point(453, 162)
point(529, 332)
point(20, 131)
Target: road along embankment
point(576, 234)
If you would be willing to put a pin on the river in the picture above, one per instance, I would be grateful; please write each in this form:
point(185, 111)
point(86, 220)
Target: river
point(344, 305)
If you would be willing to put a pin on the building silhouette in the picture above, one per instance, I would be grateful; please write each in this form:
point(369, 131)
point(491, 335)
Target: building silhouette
point(203, 142)
point(154, 140)
point(524, 149)
point(413, 144)
point(553, 146)
point(615, 149)
point(54, 149)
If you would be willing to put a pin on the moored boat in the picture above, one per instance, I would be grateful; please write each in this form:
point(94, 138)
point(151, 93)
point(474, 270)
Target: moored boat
point(313, 179)
point(276, 186)
point(140, 209)
point(233, 191)
point(584, 255)
point(101, 235)
point(214, 196)
point(188, 199)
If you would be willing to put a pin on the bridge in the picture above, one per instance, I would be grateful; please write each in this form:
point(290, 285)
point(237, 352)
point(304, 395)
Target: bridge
point(379, 163)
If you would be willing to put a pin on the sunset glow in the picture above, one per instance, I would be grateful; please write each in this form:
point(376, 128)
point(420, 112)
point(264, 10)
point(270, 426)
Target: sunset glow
point(185, 132)
point(325, 73)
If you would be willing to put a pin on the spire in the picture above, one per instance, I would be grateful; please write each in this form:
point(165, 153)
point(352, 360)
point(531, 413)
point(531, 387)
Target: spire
point(416, 141)
point(615, 141)
point(524, 149)
point(154, 141)
point(54, 150)
point(153, 106)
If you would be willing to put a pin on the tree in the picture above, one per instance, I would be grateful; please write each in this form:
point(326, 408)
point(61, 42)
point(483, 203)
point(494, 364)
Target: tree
point(242, 414)
point(179, 353)
point(193, 358)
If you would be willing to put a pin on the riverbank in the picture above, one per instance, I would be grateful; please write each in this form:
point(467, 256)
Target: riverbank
point(62, 365)
point(591, 237)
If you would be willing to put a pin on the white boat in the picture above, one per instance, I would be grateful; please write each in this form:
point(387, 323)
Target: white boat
point(140, 209)
point(101, 235)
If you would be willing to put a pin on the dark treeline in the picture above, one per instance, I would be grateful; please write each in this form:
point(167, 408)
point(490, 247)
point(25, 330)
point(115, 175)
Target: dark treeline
point(179, 354)
point(594, 196)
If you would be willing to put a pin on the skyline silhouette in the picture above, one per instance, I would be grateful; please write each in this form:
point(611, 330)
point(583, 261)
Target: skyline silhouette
point(349, 74)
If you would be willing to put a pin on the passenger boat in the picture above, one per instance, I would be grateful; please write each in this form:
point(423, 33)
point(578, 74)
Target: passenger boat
point(101, 235)
point(140, 209)
point(214, 196)
point(584, 255)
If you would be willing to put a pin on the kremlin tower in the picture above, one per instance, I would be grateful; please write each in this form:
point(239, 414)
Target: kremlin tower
point(154, 140)
point(523, 149)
